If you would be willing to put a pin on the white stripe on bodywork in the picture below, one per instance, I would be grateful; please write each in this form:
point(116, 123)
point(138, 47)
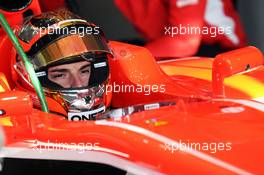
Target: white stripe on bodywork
point(215, 16)
point(259, 99)
point(88, 156)
point(169, 141)
point(252, 104)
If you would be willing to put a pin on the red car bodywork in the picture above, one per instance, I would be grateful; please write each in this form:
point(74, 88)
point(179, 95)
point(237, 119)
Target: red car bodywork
point(148, 141)
point(143, 140)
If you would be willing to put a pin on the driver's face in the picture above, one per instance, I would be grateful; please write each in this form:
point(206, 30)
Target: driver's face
point(71, 75)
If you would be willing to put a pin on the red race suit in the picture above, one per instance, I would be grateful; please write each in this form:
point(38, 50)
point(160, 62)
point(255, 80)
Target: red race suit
point(176, 28)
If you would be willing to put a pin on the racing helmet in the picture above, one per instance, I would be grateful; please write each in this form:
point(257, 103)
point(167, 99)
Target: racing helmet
point(70, 58)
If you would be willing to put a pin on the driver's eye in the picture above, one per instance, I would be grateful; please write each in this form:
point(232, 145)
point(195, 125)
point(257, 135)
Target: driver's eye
point(85, 71)
point(58, 76)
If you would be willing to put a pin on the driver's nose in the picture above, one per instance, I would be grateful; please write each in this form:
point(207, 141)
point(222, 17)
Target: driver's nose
point(77, 82)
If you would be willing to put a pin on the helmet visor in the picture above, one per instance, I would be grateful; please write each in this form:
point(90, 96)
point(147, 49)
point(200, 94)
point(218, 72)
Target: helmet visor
point(67, 47)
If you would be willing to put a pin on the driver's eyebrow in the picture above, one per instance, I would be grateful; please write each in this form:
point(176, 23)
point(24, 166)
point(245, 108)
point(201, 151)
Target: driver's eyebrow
point(85, 66)
point(59, 70)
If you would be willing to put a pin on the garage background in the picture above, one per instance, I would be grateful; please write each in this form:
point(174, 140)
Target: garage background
point(105, 14)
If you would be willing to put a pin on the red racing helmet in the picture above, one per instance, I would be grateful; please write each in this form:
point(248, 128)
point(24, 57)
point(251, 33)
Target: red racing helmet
point(70, 58)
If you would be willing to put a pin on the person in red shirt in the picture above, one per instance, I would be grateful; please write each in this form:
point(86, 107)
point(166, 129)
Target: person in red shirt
point(177, 28)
